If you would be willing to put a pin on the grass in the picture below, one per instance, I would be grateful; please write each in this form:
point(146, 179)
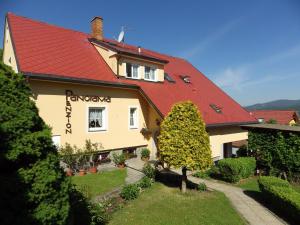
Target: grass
point(162, 205)
point(100, 183)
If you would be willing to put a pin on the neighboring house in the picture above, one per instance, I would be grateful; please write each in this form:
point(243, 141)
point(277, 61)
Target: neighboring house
point(90, 87)
point(283, 117)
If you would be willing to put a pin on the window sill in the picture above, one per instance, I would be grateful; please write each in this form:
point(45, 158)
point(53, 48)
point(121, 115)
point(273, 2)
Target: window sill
point(133, 128)
point(150, 80)
point(97, 130)
point(133, 78)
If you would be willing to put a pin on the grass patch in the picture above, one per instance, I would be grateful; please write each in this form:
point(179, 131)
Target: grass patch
point(162, 205)
point(249, 184)
point(100, 183)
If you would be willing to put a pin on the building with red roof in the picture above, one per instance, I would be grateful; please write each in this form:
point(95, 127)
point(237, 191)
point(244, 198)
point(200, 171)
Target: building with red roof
point(113, 93)
point(283, 117)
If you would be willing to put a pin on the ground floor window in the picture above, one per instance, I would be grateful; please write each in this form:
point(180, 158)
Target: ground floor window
point(96, 118)
point(133, 117)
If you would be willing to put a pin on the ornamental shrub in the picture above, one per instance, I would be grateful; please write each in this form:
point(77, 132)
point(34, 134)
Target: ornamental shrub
point(130, 192)
point(145, 153)
point(119, 159)
point(145, 182)
point(34, 189)
point(183, 141)
point(277, 153)
point(202, 186)
point(280, 194)
point(234, 169)
point(149, 171)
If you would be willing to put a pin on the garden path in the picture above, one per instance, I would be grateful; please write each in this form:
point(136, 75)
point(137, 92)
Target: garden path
point(252, 211)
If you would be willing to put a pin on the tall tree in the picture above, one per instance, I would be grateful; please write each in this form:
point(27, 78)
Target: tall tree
point(183, 141)
point(34, 189)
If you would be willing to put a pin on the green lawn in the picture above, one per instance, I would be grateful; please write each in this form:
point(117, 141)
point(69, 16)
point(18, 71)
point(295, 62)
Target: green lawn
point(162, 205)
point(100, 183)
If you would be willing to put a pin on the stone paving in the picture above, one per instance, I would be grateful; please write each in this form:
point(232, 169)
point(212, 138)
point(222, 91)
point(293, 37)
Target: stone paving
point(252, 211)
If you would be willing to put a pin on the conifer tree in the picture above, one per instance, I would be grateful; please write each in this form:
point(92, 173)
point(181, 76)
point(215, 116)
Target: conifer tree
point(34, 189)
point(183, 141)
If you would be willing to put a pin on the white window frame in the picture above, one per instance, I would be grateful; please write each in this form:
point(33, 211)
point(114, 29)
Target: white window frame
point(104, 118)
point(151, 68)
point(138, 70)
point(136, 125)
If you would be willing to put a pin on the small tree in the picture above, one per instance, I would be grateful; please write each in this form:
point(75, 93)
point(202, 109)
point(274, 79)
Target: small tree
point(34, 189)
point(183, 141)
point(272, 121)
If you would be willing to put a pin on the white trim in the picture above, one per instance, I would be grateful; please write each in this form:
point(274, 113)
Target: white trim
point(138, 71)
point(104, 119)
point(155, 73)
point(136, 126)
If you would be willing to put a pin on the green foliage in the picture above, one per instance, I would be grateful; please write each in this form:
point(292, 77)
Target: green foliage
point(272, 121)
point(119, 159)
point(145, 153)
point(1, 55)
point(145, 182)
point(149, 171)
point(276, 152)
point(183, 140)
point(202, 174)
point(130, 192)
point(34, 189)
point(234, 169)
point(243, 151)
point(280, 194)
point(201, 186)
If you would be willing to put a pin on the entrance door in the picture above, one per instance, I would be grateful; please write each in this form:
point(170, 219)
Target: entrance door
point(227, 150)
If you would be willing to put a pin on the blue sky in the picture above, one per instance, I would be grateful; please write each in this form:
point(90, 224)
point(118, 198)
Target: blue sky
point(251, 49)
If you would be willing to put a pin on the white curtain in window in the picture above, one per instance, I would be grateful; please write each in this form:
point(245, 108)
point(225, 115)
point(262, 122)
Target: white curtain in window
point(95, 118)
point(135, 71)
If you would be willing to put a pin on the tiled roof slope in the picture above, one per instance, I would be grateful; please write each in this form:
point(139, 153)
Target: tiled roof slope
point(46, 49)
point(281, 116)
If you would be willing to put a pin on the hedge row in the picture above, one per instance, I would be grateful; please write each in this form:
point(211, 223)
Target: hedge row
point(280, 193)
point(234, 169)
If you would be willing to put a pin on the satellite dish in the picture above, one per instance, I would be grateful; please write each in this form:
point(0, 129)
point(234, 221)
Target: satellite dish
point(121, 35)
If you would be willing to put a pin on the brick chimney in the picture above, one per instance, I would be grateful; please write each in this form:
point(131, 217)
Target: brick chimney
point(97, 28)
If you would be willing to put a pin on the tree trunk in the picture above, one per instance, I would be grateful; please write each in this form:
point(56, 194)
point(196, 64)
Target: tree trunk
point(184, 180)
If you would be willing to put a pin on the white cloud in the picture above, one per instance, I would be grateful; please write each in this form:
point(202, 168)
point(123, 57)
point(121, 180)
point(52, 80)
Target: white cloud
point(201, 46)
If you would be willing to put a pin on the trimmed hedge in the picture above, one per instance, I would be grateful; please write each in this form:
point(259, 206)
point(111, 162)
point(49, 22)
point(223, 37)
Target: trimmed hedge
point(280, 194)
point(234, 169)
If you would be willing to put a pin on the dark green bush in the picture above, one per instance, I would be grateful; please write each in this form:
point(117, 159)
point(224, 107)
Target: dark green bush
point(234, 169)
point(130, 192)
point(145, 153)
point(149, 171)
point(145, 182)
point(280, 194)
point(202, 186)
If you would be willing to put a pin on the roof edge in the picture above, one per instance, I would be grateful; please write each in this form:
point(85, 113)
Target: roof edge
point(215, 125)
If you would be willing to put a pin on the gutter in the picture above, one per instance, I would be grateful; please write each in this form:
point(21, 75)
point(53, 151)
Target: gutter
point(230, 124)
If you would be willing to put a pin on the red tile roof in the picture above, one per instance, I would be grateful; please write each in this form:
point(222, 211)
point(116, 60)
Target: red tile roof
point(281, 116)
point(54, 51)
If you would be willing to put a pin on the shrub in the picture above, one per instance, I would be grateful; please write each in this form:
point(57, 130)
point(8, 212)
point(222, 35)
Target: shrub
point(145, 182)
point(130, 192)
point(149, 171)
point(202, 174)
point(119, 159)
point(202, 186)
point(280, 194)
point(234, 169)
point(145, 153)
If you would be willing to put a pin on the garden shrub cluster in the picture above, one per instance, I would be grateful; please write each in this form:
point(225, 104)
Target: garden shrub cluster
point(149, 171)
point(281, 194)
point(145, 182)
point(202, 186)
point(277, 153)
point(235, 169)
point(130, 191)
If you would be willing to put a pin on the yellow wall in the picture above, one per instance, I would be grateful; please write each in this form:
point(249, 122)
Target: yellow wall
point(8, 51)
point(109, 57)
point(220, 136)
point(51, 100)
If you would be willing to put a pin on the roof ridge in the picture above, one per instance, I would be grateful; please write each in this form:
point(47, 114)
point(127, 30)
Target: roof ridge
point(45, 23)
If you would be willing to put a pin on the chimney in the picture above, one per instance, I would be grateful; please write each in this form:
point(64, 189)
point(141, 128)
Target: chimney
point(97, 28)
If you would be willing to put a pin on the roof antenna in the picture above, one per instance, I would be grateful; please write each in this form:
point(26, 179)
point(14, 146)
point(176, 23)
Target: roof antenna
point(121, 36)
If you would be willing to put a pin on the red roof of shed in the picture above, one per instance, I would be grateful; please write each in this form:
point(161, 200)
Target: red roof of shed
point(50, 50)
point(281, 116)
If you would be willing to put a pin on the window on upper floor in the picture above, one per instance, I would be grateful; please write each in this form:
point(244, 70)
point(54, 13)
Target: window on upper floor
point(132, 70)
point(96, 118)
point(150, 73)
point(133, 117)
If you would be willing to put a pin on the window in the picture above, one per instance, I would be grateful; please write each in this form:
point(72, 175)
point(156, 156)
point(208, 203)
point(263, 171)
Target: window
point(133, 117)
point(261, 120)
point(132, 70)
point(96, 118)
point(168, 78)
point(216, 108)
point(149, 73)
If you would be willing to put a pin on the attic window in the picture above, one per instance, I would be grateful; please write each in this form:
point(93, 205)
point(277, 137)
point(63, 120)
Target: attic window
point(186, 79)
point(168, 78)
point(216, 108)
